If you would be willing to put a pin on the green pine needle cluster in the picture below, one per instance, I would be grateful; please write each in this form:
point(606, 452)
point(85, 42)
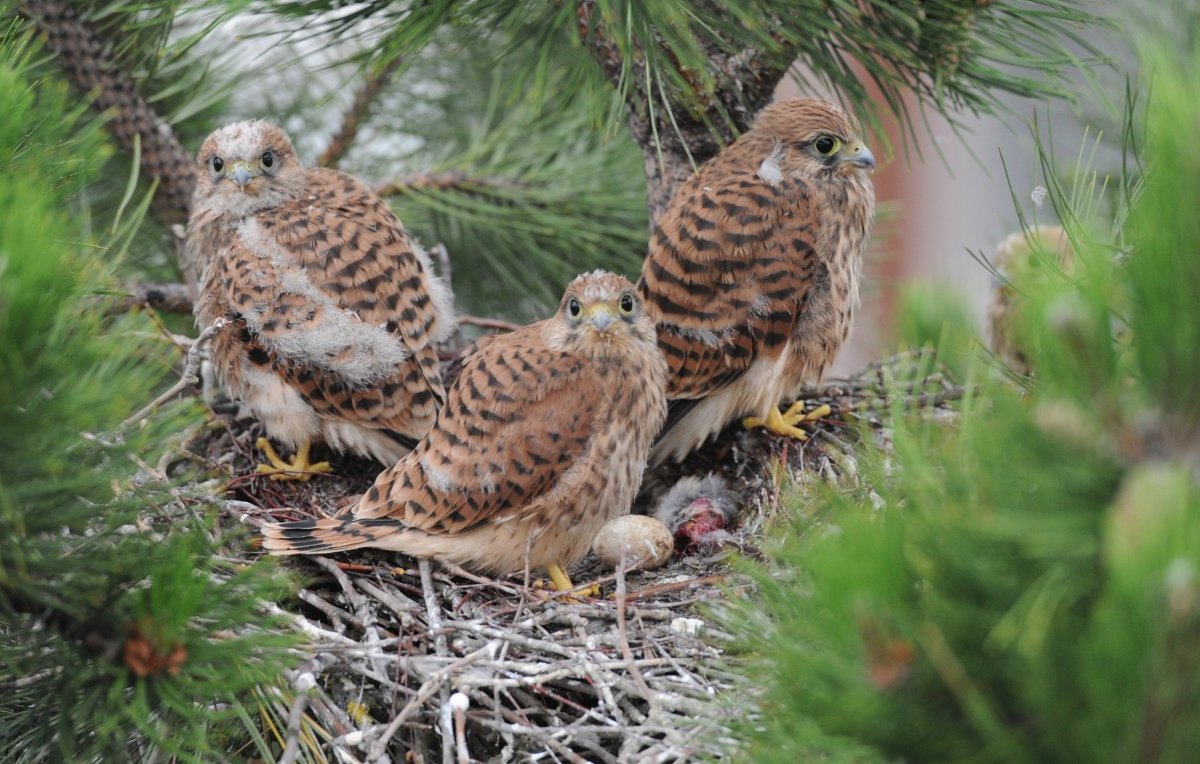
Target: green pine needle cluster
point(121, 639)
point(525, 216)
point(953, 54)
point(510, 97)
point(1028, 589)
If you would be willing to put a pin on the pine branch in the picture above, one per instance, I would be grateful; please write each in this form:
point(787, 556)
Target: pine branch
point(674, 144)
point(165, 298)
point(450, 180)
point(358, 111)
point(86, 62)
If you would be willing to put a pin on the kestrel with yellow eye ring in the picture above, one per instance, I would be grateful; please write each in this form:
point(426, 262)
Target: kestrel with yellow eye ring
point(753, 271)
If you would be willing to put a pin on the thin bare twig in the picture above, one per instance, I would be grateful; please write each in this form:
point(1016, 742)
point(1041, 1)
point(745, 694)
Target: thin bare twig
point(497, 324)
point(191, 372)
point(439, 641)
point(626, 652)
point(291, 750)
point(657, 589)
point(450, 180)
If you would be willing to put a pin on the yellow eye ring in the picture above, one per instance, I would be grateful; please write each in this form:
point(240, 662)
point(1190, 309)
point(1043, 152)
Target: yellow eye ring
point(826, 145)
point(574, 309)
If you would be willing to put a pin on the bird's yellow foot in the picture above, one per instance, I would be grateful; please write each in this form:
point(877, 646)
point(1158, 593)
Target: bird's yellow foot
point(299, 468)
point(786, 423)
point(562, 582)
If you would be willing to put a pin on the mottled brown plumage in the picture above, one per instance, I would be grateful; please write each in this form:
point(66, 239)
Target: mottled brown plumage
point(335, 309)
point(543, 439)
point(753, 269)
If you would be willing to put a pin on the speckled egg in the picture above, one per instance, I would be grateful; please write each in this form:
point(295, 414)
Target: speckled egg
point(645, 542)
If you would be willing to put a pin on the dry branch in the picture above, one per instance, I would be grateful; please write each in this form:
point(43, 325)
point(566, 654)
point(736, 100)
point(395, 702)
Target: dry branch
point(190, 376)
point(644, 677)
point(451, 180)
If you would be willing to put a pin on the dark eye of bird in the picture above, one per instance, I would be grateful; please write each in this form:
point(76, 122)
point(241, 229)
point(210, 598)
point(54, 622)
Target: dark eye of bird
point(825, 144)
point(217, 163)
point(268, 158)
point(574, 308)
point(626, 303)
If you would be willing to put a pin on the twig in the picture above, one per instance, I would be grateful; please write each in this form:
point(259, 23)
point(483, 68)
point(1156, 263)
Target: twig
point(674, 586)
point(354, 116)
point(464, 573)
point(433, 684)
point(191, 372)
point(439, 640)
point(626, 652)
point(432, 608)
point(335, 614)
point(489, 323)
point(291, 751)
point(452, 180)
point(403, 608)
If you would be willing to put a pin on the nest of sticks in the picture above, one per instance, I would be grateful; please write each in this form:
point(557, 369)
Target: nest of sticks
point(407, 660)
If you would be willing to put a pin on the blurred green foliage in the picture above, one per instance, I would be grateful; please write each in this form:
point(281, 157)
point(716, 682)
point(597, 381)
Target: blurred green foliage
point(122, 637)
point(1029, 587)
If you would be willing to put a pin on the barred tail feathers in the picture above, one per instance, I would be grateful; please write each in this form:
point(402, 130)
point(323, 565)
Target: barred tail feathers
point(327, 535)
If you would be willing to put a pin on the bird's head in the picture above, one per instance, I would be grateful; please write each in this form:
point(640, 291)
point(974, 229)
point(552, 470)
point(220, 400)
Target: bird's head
point(601, 314)
point(810, 139)
point(246, 167)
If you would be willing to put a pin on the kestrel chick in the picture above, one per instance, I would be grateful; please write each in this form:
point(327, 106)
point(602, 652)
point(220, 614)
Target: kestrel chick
point(753, 271)
point(1017, 258)
point(542, 440)
point(334, 309)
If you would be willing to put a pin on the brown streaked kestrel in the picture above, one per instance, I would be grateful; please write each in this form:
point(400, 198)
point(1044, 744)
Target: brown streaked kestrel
point(753, 271)
point(542, 440)
point(334, 308)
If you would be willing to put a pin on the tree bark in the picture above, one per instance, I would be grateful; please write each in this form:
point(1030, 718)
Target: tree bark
point(90, 68)
point(745, 83)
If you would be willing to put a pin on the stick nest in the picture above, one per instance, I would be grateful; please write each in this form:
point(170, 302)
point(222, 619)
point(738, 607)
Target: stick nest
point(410, 661)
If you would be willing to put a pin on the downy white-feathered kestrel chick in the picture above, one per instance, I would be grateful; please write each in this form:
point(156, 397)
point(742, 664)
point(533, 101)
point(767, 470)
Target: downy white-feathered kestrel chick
point(334, 308)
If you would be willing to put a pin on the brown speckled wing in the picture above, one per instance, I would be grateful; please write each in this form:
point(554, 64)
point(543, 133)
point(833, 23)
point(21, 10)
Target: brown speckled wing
point(333, 296)
point(518, 417)
point(354, 247)
point(730, 265)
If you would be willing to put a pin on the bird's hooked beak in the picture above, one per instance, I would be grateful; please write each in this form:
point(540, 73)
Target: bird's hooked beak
point(240, 174)
point(601, 316)
point(859, 156)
